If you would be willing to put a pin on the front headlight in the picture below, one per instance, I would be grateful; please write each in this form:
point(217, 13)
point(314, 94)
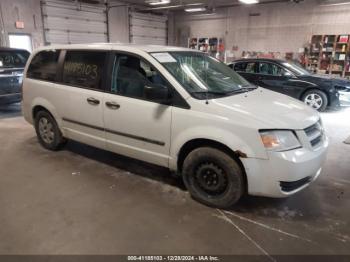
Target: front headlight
point(279, 140)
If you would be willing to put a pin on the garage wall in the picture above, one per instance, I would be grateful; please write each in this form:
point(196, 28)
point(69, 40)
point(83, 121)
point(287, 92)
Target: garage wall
point(27, 11)
point(279, 28)
point(74, 22)
point(148, 29)
point(118, 17)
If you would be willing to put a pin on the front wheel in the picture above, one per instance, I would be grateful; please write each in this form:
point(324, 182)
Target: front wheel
point(317, 99)
point(213, 177)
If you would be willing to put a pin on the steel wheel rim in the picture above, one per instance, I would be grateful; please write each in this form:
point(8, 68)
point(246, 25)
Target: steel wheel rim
point(210, 179)
point(46, 130)
point(314, 100)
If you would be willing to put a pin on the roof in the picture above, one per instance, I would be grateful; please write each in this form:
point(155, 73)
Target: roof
point(260, 59)
point(119, 46)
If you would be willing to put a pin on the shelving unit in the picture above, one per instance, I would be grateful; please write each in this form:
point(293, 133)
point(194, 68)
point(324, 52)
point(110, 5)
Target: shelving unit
point(330, 54)
point(212, 45)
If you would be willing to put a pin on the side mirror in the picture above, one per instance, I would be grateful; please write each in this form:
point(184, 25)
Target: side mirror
point(158, 93)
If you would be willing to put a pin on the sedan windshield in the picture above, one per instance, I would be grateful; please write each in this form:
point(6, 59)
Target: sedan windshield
point(296, 69)
point(201, 75)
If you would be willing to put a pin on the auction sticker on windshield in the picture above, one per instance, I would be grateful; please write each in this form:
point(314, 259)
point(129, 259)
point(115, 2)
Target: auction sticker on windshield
point(164, 57)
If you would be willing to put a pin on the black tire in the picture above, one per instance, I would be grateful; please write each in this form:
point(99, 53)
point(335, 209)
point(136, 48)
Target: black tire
point(50, 137)
point(206, 165)
point(316, 99)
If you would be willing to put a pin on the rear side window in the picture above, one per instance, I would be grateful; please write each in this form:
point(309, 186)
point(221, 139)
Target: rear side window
point(84, 68)
point(247, 67)
point(44, 65)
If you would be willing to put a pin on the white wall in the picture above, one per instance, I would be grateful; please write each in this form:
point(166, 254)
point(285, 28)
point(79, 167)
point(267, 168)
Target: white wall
point(283, 27)
point(27, 11)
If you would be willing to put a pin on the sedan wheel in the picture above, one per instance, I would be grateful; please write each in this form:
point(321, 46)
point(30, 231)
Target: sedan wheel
point(314, 100)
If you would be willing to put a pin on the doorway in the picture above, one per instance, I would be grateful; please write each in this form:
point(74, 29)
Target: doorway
point(21, 41)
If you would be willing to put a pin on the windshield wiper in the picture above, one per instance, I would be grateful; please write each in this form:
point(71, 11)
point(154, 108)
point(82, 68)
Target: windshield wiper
point(209, 92)
point(243, 89)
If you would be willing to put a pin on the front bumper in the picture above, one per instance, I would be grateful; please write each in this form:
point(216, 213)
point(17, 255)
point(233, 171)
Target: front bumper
point(344, 98)
point(284, 173)
point(10, 98)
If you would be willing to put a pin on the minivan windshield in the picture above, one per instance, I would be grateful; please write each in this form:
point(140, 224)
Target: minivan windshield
point(296, 69)
point(15, 58)
point(201, 75)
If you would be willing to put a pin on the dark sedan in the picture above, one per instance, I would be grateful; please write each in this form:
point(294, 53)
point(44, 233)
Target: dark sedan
point(317, 91)
point(12, 63)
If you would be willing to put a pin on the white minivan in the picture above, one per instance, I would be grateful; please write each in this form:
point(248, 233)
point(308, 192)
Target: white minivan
point(177, 108)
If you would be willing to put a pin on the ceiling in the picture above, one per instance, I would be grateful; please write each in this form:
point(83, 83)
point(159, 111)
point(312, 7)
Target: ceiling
point(211, 3)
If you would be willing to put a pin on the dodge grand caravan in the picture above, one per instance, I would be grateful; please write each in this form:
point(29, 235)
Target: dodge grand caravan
point(176, 108)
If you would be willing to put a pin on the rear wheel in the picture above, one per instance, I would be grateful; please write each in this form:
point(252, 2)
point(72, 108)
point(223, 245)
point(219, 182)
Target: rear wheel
point(213, 177)
point(47, 131)
point(316, 99)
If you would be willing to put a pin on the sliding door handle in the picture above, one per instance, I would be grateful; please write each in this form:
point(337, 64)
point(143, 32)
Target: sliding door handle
point(93, 101)
point(112, 105)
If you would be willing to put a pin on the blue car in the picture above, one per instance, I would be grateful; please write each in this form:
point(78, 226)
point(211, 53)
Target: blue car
point(12, 63)
point(317, 91)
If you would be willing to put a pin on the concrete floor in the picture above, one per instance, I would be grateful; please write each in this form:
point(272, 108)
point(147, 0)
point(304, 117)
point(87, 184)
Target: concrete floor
point(82, 200)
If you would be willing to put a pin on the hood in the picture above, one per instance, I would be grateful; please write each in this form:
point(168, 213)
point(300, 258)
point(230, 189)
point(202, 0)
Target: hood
point(328, 80)
point(265, 109)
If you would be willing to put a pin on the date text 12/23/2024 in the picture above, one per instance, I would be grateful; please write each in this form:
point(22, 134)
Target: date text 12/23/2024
point(174, 258)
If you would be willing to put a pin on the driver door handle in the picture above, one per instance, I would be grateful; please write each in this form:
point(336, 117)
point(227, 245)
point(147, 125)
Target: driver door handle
point(112, 105)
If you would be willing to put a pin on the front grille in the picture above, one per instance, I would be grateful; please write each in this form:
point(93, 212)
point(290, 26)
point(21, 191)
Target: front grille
point(315, 134)
point(290, 186)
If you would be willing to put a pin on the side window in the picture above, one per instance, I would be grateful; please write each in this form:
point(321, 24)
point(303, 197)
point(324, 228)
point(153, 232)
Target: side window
point(131, 74)
point(84, 68)
point(44, 65)
point(247, 67)
point(271, 69)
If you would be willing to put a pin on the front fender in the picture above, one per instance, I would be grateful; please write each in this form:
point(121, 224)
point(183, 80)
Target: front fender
point(252, 149)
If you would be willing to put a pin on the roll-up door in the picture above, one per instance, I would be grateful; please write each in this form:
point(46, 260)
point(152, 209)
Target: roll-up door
point(71, 22)
point(148, 29)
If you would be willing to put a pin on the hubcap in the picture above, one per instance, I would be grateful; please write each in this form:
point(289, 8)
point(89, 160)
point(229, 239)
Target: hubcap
point(314, 100)
point(46, 130)
point(211, 179)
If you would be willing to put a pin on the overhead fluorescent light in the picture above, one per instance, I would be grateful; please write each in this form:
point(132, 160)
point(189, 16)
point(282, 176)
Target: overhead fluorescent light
point(195, 9)
point(249, 2)
point(158, 2)
point(172, 6)
point(346, 3)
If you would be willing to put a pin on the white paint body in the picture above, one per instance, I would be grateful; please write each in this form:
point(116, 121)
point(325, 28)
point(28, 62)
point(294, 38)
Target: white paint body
point(233, 121)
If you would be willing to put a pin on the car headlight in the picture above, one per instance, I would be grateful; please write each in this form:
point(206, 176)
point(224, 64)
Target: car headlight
point(279, 140)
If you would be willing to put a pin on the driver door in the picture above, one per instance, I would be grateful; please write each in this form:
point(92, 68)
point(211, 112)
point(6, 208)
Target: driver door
point(135, 126)
point(276, 78)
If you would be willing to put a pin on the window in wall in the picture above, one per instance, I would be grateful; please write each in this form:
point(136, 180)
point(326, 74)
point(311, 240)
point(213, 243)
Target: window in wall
point(131, 75)
point(44, 65)
point(20, 41)
point(84, 68)
point(271, 69)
